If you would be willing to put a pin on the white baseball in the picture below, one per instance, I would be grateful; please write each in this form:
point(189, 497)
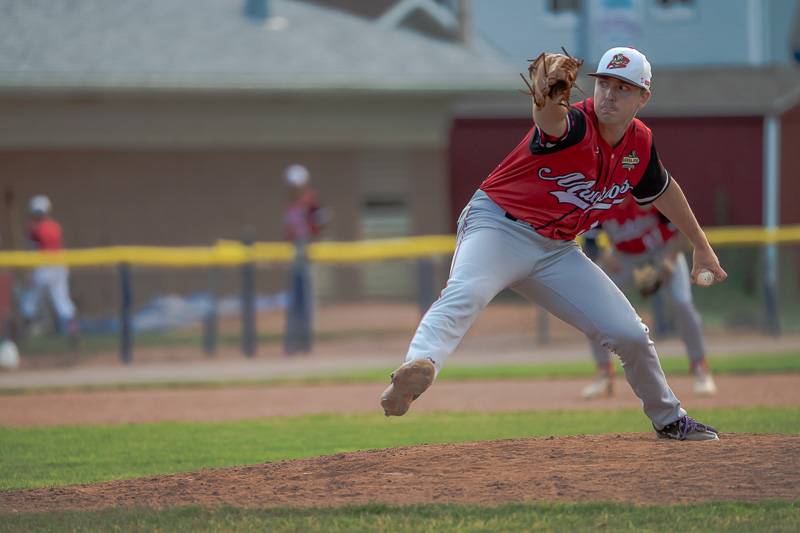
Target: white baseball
point(705, 278)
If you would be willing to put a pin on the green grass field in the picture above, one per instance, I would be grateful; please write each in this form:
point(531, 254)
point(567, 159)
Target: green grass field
point(37, 457)
point(765, 516)
point(52, 456)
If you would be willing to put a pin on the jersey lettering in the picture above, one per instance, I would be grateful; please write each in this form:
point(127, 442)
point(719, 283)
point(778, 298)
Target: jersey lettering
point(580, 192)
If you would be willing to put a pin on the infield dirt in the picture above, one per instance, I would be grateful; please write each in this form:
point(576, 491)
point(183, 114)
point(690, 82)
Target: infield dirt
point(245, 402)
point(632, 468)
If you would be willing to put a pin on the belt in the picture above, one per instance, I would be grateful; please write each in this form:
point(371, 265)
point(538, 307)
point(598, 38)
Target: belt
point(511, 217)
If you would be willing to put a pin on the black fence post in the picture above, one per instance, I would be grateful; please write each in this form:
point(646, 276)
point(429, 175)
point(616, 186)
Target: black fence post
point(210, 321)
point(773, 321)
point(126, 314)
point(248, 298)
point(298, 334)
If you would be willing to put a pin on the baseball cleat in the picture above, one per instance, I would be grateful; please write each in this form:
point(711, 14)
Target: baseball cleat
point(687, 428)
point(703, 383)
point(603, 385)
point(408, 382)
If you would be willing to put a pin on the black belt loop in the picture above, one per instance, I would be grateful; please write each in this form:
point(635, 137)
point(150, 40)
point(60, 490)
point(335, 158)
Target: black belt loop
point(511, 217)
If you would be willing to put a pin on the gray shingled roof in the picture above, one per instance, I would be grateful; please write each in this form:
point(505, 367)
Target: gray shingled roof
point(211, 45)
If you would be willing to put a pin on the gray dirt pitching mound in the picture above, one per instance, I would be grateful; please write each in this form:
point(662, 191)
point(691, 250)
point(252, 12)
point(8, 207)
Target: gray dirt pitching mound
point(632, 468)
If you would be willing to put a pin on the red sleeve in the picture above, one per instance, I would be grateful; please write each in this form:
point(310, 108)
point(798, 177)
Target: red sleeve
point(34, 234)
point(313, 219)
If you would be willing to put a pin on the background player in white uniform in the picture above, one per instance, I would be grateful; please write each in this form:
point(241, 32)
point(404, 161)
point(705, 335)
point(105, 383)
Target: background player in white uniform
point(46, 236)
point(518, 231)
point(645, 252)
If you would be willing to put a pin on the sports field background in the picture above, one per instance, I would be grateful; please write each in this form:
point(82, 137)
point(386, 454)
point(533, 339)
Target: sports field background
point(67, 454)
point(163, 133)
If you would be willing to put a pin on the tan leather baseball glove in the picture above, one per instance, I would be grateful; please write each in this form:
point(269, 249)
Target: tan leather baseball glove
point(648, 278)
point(552, 76)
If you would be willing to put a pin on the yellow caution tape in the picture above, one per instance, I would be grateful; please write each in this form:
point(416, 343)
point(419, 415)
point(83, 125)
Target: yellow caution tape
point(229, 253)
point(380, 250)
point(752, 235)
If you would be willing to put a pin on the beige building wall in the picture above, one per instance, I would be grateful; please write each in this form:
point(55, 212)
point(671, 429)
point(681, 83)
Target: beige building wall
point(177, 173)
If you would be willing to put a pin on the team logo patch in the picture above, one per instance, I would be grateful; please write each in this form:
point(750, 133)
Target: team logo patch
point(630, 160)
point(618, 61)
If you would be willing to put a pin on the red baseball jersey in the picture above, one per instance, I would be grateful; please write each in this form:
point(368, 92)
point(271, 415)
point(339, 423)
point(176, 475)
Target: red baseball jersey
point(636, 229)
point(300, 217)
point(566, 187)
point(46, 233)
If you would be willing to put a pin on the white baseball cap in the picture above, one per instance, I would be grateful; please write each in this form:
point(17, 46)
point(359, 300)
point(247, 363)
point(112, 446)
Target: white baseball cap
point(40, 204)
point(296, 175)
point(626, 64)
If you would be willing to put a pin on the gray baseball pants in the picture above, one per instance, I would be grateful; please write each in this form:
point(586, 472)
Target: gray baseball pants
point(678, 293)
point(494, 253)
point(53, 280)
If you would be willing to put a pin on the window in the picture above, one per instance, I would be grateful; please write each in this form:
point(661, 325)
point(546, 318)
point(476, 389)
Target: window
point(386, 192)
point(384, 218)
point(557, 7)
point(674, 9)
point(562, 14)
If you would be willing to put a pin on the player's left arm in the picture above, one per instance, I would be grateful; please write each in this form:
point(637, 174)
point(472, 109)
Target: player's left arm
point(660, 189)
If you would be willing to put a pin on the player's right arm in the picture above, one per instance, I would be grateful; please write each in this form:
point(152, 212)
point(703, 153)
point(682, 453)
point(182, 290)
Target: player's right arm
point(551, 118)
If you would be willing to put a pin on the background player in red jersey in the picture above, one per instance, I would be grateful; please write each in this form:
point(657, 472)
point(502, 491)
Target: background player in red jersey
point(574, 167)
point(646, 253)
point(301, 217)
point(46, 235)
point(303, 220)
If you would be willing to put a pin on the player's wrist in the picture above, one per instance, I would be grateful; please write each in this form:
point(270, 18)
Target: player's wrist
point(703, 248)
point(699, 242)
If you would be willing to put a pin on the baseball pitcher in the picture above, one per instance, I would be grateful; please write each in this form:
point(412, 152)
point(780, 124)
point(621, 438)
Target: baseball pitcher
point(576, 165)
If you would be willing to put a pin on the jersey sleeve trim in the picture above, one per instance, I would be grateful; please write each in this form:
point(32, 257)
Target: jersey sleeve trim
point(576, 129)
point(653, 198)
point(654, 182)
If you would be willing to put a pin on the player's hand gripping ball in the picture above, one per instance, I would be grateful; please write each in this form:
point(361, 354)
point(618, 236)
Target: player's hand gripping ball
point(552, 76)
point(705, 278)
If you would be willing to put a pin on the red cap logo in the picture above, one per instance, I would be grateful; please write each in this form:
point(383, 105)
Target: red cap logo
point(618, 61)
